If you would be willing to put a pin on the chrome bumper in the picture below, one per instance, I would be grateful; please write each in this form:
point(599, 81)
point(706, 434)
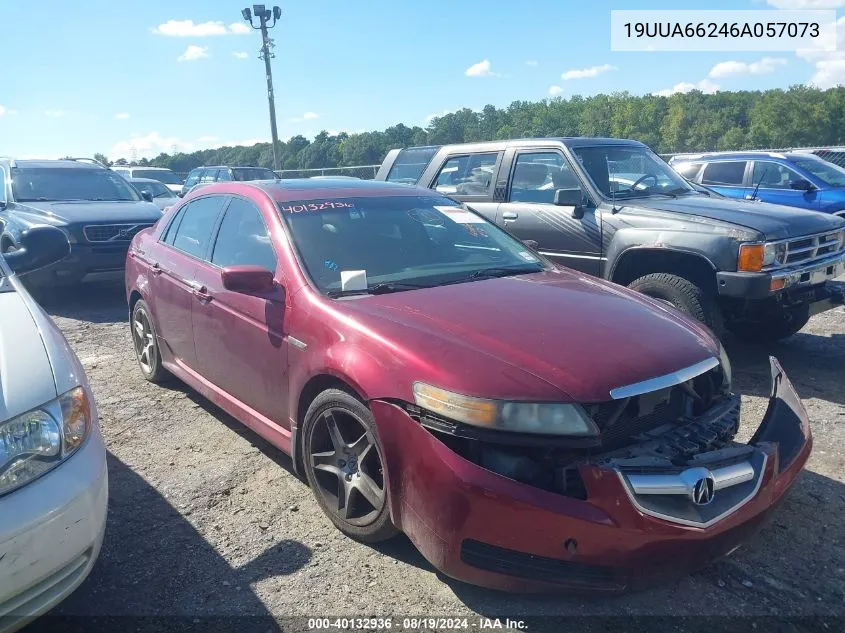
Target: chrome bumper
point(812, 274)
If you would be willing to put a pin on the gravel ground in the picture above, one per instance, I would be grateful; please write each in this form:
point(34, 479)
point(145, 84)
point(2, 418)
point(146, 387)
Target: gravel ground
point(206, 518)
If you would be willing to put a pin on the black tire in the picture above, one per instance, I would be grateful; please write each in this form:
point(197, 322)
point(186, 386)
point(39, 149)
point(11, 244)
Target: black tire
point(782, 326)
point(342, 457)
point(684, 295)
point(146, 340)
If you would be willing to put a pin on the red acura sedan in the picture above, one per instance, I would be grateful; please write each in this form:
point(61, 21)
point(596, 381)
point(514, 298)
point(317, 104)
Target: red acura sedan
point(528, 427)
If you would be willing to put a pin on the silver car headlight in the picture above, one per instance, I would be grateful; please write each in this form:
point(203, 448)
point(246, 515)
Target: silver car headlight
point(39, 440)
point(727, 372)
point(774, 254)
point(516, 417)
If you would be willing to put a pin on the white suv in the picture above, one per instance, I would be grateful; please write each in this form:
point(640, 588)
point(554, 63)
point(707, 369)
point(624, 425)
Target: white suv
point(53, 479)
point(162, 174)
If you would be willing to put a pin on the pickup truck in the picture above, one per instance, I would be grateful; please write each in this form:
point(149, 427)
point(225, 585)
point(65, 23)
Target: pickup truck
point(614, 209)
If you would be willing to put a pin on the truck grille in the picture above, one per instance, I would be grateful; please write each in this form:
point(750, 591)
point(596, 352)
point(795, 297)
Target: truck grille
point(804, 250)
point(112, 232)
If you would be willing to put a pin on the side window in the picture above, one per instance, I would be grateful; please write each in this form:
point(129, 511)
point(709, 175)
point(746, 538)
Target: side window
point(688, 170)
point(470, 175)
point(536, 177)
point(773, 175)
point(243, 238)
point(170, 231)
point(410, 164)
point(208, 175)
point(223, 175)
point(724, 173)
point(194, 231)
point(193, 178)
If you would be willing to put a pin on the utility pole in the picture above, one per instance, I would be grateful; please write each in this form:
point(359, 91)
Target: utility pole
point(267, 44)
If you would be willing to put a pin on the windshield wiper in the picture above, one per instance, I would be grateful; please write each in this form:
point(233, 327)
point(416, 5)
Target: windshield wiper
point(490, 273)
point(378, 289)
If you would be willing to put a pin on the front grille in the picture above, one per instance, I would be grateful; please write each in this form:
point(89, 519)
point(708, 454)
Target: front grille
point(805, 250)
point(552, 570)
point(112, 232)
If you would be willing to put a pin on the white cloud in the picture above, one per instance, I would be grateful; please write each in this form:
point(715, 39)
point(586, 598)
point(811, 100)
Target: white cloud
point(705, 85)
point(481, 69)
point(193, 53)
point(584, 73)
point(149, 146)
point(240, 55)
point(532, 62)
point(762, 67)
point(122, 116)
point(555, 90)
point(308, 116)
point(436, 115)
point(829, 65)
point(187, 28)
point(806, 4)
point(56, 114)
point(2, 110)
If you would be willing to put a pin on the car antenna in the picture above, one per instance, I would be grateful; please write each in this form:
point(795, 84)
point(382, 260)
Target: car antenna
point(757, 187)
point(613, 208)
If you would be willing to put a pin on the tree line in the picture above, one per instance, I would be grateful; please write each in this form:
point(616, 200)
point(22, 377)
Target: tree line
point(800, 116)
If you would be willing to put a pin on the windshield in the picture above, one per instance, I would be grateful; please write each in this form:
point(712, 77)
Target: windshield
point(253, 173)
point(625, 171)
point(42, 184)
point(156, 189)
point(162, 175)
point(400, 243)
point(831, 174)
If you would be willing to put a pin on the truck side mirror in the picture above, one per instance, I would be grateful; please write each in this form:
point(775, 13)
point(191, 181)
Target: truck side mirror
point(572, 198)
point(802, 185)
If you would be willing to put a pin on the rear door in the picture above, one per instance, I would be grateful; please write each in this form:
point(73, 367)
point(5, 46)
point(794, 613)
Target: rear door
point(728, 177)
point(238, 337)
point(469, 178)
point(529, 211)
point(173, 265)
point(775, 179)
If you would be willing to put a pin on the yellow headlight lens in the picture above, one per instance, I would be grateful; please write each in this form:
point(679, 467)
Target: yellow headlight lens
point(751, 258)
point(455, 406)
point(76, 418)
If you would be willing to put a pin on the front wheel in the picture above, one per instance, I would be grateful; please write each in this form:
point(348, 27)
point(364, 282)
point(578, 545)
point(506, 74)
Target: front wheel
point(344, 465)
point(684, 295)
point(145, 342)
point(779, 326)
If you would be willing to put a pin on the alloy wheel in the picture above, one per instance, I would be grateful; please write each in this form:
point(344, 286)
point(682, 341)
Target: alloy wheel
point(347, 467)
point(144, 340)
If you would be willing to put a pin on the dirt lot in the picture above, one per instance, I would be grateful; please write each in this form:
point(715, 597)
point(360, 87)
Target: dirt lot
point(206, 518)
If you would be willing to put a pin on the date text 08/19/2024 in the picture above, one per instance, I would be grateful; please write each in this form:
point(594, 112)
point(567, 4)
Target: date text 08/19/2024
point(415, 624)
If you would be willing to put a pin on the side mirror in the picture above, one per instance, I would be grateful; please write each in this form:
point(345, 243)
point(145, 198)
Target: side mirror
point(802, 185)
point(532, 244)
point(571, 198)
point(248, 279)
point(38, 247)
point(146, 195)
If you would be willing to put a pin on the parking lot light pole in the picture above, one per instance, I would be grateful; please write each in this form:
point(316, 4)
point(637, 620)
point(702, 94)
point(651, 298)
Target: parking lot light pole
point(264, 15)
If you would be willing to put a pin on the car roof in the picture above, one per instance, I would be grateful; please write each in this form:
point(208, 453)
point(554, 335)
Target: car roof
point(569, 141)
point(293, 189)
point(142, 167)
point(145, 180)
point(231, 167)
point(749, 155)
point(64, 164)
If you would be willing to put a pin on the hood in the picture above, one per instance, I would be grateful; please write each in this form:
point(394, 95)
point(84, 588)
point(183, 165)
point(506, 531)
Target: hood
point(556, 335)
point(97, 212)
point(774, 221)
point(26, 376)
point(173, 188)
point(163, 203)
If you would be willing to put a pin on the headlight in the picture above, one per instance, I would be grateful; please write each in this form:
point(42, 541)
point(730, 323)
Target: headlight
point(755, 257)
point(37, 441)
point(727, 372)
point(518, 417)
point(774, 254)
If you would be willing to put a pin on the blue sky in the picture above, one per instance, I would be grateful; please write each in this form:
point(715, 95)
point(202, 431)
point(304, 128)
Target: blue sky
point(149, 75)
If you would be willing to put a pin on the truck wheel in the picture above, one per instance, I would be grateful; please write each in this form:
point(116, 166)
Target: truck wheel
point(684, 295)
point(780, 326)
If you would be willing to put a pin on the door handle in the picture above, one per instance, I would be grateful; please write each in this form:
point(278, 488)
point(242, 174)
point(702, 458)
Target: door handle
point(155, 269)
point(199, 291)
point(510, 215)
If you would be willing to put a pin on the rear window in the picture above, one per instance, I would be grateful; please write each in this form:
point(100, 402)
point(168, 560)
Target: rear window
point(253, 173)
point(724, 173)
point(410, 164)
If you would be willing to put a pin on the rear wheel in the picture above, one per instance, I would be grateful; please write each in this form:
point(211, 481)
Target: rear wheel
point(684, 295)
point(145, 343)
point(780, 326)
point(344, 465)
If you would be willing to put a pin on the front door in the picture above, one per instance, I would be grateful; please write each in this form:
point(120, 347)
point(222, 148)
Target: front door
point(172, 266)
point(239, 337)
point(775, 186)
point(727, 177)
point(530, 213)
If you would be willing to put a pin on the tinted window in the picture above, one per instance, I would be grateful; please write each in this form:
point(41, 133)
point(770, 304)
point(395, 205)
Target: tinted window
point(193, 178)
point(537, 176)
point(467, 175)
point(170, 231)
point(253, 173)
point(162, 175)
point(724, 173)
point(194, 231)
point(243, 238)
point(773, 175)
point(829, 173)
point(223, 175)
point(410, 164)
point(687, 170)
point(156, 189)
point(31, 184)
point(208, 175)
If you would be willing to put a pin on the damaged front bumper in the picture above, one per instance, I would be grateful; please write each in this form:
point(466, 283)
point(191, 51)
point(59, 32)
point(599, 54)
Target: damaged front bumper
point(639, 520)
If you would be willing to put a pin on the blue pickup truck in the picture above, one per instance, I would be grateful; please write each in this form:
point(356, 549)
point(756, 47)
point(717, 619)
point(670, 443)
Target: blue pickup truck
point(795, 179)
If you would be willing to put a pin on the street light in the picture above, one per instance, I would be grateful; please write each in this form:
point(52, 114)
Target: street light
point(263, 14)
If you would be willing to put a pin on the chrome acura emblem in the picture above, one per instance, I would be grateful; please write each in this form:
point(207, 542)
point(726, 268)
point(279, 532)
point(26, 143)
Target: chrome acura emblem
point(703, 491)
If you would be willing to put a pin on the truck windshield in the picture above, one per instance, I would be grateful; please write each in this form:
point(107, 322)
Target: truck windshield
point(624, 171)
point(831, 174)
point(43, 184)
point(398, 243)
